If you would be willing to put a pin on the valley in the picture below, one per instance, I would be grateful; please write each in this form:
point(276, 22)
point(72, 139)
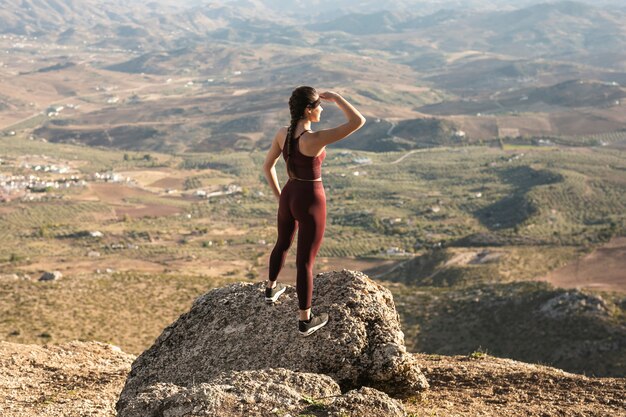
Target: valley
point(487, 190)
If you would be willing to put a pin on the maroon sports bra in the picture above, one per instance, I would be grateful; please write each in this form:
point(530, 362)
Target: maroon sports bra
point(303, 167)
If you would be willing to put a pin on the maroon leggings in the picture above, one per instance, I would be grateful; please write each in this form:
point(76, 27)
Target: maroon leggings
point(302, 205)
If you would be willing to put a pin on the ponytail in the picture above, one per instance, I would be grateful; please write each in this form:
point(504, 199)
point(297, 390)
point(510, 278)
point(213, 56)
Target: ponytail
point(301, 98)
point(291, 133)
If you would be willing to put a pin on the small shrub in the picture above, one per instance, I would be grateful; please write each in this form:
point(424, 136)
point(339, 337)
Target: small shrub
point(314, 404)
point(15, 258)
point(478, 354)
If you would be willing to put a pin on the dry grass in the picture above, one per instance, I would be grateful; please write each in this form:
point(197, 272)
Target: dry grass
point(127, 309)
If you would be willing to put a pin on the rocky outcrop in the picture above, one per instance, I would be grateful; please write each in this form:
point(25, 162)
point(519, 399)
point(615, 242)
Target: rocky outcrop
point(267, 392)
point(233, 329)
point(529, 321)
point(575, 302)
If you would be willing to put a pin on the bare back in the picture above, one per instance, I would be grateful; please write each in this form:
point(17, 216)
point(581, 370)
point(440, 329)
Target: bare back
point(306, 146)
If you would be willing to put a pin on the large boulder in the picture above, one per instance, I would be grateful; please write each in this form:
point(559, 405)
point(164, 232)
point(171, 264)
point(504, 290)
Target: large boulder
point(267, 392)
point(233, 329)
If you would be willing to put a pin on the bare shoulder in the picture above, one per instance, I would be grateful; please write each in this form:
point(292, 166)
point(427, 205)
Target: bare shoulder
point(310, 145)
point(281, 135)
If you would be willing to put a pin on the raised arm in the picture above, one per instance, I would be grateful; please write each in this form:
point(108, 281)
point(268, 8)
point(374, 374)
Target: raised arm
point(269, 166)
point(355, 121)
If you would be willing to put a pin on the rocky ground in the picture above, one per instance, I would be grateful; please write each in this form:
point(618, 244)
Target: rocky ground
point(479, 385)
point(208, 363)
point(85, 379)
point(72, 379)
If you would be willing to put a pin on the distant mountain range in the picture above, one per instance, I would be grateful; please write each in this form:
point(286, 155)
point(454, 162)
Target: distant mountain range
point(564, 30)
point(39, 18)
point(329, 8)
point(398, 60)
point(565, 27)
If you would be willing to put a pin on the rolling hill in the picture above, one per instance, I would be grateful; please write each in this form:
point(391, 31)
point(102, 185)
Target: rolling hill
point(215, 62)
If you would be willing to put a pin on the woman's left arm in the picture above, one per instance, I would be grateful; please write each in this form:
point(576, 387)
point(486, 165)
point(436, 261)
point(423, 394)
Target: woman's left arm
point(269, 166)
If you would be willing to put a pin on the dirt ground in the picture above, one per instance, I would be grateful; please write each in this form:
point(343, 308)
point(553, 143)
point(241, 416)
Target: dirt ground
point(482, 385)
point(73, 379)
point(79, 379)
point(157, 179)
point(153, 210)
point(322, 264)
point(193, 266)
point(90, 265)
point(602, 269)
point(116, 195)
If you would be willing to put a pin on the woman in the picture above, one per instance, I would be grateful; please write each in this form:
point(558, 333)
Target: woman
point(302, 202)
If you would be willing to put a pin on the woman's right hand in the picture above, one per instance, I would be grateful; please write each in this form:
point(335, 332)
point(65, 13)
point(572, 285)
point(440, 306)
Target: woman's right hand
point(325, 137)
point(329, 96)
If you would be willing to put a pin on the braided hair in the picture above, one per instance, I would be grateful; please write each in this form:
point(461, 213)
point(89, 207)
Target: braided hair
point(301, 98)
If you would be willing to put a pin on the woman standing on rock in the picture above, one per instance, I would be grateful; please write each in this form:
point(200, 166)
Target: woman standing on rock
point(302, 202)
